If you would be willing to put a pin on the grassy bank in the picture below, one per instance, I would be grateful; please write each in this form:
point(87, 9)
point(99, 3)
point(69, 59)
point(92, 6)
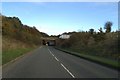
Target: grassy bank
point(98, 59)
point(11, 54)
point(12, 48)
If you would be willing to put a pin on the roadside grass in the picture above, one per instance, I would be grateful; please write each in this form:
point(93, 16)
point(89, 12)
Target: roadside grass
point(102, 60)
point(11, 54)
point(0, 57)
point(99, 59)
point(12, 48)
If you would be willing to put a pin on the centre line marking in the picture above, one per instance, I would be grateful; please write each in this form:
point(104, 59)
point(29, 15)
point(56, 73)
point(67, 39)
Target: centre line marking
point(56, 59)
point(61, 64)
point(51, 53)
point(67, 70)
point(53, 56)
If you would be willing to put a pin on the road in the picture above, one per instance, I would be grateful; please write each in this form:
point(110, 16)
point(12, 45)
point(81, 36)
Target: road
point(47, 62)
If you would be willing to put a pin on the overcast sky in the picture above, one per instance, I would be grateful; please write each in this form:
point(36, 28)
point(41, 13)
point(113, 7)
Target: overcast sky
point(55, 18)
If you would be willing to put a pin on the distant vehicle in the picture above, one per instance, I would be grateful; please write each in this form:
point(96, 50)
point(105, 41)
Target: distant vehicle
point(51, 43)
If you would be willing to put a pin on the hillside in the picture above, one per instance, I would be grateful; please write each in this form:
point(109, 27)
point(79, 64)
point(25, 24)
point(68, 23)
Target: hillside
point(13, 28)
point(18, 39)
point(103, 44)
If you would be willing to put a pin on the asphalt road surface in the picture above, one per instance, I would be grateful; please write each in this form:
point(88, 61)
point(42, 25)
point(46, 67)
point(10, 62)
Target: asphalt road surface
point(47, 62)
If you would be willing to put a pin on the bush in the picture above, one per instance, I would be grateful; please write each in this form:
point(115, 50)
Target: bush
point(101, 44)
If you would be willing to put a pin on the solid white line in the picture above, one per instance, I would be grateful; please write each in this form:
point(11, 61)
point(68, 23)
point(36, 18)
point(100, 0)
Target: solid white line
point(67, 70)
point(56, 59)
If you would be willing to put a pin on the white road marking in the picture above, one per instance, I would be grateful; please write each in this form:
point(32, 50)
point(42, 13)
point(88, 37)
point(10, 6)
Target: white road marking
point(56, 59)
point(51, 53)
point(67, 70)
point(61, 63)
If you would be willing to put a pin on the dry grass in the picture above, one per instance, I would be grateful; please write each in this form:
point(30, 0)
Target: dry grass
point(8, 43)
point(12, 49)
point(0, 39)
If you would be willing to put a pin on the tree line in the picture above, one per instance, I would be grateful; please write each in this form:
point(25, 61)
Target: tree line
point(12, 27)
point(104, 44)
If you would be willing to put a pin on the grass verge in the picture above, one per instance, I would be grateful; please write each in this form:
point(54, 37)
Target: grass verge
point(11, 54)
point(104, 61)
